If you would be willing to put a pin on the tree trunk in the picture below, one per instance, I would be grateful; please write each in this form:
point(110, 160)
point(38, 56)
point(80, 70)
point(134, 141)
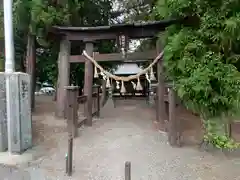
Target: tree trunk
point(31, 66)
point(23, 61)
point(228, 127)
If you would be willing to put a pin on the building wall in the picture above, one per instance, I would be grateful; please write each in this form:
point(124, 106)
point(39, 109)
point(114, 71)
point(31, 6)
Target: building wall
point(129, 87)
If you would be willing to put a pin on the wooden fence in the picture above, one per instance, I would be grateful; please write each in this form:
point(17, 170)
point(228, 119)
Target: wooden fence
point(172, 122)
point(82, 102)
point(76, 107)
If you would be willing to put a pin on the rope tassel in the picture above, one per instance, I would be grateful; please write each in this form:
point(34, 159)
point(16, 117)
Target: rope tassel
point(152, 77)
point(139, 86)
point(95, 72)
point(123, 89)
point(108, 85)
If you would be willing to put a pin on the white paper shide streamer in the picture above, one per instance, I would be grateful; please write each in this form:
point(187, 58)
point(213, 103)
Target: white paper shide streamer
point(123, 89)
point(117, 85)
point(107, 75)
point(139, 86)
point(147, 77)
point(108, 84)
point(95, 72)
point(152, 77)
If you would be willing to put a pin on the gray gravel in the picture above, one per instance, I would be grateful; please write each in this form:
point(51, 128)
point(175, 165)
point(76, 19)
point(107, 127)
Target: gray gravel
point(12, 173)
point(126, 134)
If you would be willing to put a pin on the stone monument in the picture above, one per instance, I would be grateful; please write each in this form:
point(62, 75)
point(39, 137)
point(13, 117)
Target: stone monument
point(21, 120)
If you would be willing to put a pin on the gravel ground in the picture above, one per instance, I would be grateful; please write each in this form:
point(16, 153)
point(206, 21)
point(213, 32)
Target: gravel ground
point(124, 134)
point(12, 173)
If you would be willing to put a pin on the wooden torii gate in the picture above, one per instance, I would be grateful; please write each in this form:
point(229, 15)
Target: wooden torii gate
point(89, 35)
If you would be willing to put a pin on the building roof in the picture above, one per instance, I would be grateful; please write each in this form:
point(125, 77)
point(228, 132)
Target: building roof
point(127, 69)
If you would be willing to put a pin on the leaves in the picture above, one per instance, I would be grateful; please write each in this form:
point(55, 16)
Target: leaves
point(203, 60)
point(37, 16)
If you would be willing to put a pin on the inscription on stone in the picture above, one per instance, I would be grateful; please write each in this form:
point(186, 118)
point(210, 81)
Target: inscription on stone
point(25, 111)
point(24, 89)
point(21, 127)
point(14, 96)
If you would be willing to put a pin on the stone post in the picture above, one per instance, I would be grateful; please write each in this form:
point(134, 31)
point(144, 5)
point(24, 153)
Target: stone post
point(20, 108)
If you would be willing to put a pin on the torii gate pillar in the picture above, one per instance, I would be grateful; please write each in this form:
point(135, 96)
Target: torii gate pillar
point(88, 83)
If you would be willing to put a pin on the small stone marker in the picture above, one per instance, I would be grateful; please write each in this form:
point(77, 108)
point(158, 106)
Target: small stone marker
point(127, 170)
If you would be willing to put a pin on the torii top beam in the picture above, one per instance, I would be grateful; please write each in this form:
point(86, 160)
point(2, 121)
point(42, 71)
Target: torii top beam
point(133, 31)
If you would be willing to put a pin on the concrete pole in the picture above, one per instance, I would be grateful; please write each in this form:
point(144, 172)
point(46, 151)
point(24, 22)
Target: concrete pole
point(8, 33)
point(9, 62)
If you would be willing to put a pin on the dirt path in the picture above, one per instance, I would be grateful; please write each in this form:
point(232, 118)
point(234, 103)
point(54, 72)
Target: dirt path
point(124, 134)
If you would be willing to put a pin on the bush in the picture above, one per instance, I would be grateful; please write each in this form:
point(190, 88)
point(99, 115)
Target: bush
point(203, 60)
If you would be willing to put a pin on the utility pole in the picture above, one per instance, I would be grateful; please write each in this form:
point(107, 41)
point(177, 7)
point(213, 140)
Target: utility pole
point(9, 63)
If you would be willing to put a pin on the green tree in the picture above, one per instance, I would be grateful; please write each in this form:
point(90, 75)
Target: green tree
point(203, 59)
point(32, 20)
point(43, 16)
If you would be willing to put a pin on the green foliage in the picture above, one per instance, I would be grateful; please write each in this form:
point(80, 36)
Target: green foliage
point(38, 16)
point(221, 141)
point(1, 63)
point(203, 59)
point(217, 134)
point(1, 24)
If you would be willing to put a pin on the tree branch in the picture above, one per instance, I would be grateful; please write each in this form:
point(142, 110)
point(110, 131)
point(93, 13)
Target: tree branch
point(116, 14)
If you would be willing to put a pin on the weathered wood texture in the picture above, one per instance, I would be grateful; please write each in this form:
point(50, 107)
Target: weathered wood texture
point(63, 77)
point(135, 56)
point(128, 170)
point(73, 112)
point(88, 82)
point(31, 66)
point(161, 111)
point(134, 31)
point(70, 155)
point(95, 108)
point(174, 127)
point(72, 108)
point(97, 100)
point(103, 99)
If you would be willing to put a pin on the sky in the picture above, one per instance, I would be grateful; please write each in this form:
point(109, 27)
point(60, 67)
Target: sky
point(134, 43)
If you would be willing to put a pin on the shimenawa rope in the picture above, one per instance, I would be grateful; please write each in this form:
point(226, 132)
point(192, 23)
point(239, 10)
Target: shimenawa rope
point(122, 78)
